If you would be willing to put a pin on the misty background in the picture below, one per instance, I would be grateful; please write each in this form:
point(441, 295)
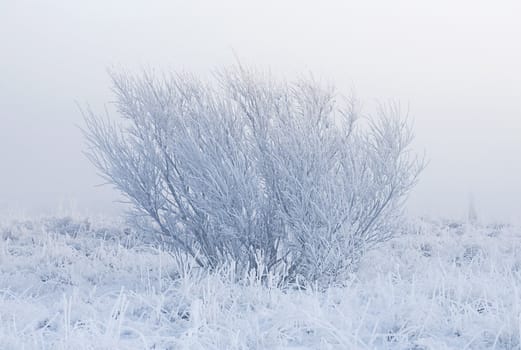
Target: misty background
point(456, 65)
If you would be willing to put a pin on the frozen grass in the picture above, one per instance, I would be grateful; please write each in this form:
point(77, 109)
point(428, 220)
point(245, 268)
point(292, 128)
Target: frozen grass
point(68, 284)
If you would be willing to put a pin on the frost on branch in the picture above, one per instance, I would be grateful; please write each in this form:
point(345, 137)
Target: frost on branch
point(263, 174)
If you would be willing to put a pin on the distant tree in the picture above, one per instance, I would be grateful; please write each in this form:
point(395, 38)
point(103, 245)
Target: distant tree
point(265, 174)
point(472, 213)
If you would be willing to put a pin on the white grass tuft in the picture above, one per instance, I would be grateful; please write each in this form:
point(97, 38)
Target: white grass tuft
point(71, 284)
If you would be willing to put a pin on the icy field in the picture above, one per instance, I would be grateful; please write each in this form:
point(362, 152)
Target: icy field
point(69, 284)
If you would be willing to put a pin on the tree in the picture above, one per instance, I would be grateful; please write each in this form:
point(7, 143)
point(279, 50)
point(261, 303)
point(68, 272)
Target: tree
point(265, 174)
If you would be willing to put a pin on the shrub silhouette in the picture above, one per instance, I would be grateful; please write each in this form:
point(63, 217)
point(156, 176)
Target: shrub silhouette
point(267, 175)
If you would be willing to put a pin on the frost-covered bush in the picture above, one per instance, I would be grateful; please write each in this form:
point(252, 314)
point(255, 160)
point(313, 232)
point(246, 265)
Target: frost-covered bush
point(265, 174)
point(66, 225)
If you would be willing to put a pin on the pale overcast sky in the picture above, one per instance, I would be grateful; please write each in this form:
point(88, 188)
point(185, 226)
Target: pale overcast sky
point(457, 64)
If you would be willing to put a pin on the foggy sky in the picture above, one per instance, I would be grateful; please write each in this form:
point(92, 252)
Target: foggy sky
point(456, 64)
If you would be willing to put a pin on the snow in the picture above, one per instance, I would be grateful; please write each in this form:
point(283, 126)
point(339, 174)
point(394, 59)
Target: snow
point(72, 284)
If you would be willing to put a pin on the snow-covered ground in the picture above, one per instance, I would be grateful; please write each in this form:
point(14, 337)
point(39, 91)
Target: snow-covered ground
point(72, 284)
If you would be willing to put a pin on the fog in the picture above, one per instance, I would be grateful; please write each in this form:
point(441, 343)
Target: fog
point(456, 65)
